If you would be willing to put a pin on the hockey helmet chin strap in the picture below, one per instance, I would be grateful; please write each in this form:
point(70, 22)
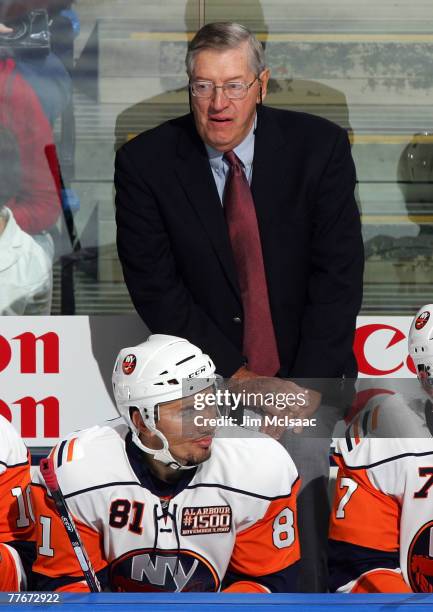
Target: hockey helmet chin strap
point(163, 454)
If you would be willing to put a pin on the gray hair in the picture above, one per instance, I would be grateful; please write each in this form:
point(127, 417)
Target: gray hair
point(224, 35)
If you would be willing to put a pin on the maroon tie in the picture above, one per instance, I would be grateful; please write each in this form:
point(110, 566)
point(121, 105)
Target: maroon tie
point(260, 346)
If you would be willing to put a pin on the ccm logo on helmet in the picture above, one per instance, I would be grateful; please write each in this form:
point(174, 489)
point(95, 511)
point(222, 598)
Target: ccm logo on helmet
point(197, 372)
point(422, 319)
point(129, 363)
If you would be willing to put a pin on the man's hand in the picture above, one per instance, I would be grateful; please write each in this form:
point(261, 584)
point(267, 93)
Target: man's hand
point(244, 374)
point(291, 401)
point(4, 29)
point(274, 397)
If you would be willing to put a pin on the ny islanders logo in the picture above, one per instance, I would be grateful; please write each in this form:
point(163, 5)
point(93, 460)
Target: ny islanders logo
point(129, 363)
point(420, 560)
point(422, 319)
point(156, 570)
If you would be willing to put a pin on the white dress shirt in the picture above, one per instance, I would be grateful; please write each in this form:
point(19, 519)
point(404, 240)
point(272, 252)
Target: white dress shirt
point(25, 272)
point(220, 168)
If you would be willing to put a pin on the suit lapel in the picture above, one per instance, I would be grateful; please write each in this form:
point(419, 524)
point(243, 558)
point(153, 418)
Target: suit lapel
point(195, 175)
point(270, 163)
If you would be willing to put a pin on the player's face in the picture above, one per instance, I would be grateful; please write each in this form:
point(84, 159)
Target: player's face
point(189, 441)
point(221, 122)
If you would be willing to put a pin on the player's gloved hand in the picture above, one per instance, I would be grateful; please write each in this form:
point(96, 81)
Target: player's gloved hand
point(8, 570)
point(246, 586)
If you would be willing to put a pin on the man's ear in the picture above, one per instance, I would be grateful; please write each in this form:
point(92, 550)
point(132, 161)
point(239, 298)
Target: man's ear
point(145, 434)
point(137, 419)
point(263, 82)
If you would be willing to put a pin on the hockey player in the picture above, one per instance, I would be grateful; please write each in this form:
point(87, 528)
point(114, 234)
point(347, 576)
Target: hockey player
point(163, 506)
point(381, 531)
point(16, 524)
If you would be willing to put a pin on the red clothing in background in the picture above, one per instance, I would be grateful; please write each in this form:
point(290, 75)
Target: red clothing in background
point(37, 205)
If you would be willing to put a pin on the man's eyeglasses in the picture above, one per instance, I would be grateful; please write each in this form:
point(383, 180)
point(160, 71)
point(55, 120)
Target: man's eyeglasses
point(233, 90)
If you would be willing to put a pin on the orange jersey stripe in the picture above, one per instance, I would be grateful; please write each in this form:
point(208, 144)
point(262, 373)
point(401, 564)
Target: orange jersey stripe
point(52, 454)
point(71, 449)
point(261, 549)
point(368, 517)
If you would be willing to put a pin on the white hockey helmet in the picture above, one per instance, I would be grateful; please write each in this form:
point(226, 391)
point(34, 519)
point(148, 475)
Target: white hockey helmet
point(421, 344)
point(162, 369)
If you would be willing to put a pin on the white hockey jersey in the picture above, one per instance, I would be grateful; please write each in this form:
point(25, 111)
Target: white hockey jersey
point(16, 525)
point(235, 513)
point(383, 508)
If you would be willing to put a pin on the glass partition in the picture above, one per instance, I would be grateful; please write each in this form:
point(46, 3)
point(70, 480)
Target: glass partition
point(114, 68)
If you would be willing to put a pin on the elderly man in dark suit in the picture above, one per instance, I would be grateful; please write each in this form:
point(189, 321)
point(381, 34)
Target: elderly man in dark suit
point(238, 229)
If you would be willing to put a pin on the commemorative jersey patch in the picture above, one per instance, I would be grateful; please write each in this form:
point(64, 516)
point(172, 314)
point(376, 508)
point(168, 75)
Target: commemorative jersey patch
point(206, 520)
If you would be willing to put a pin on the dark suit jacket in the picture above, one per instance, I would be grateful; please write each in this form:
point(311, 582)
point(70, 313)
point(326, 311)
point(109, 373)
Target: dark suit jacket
point(176, 255)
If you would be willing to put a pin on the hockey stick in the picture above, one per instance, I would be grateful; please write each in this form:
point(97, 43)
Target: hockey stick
point(49, 475)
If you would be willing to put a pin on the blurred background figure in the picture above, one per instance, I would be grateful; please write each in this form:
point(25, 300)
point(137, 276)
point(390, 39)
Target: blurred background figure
point(404, 252)
point(25, 268)
point(39, 36)
point(42, 41)
point(36, 206)
point(30, 35)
